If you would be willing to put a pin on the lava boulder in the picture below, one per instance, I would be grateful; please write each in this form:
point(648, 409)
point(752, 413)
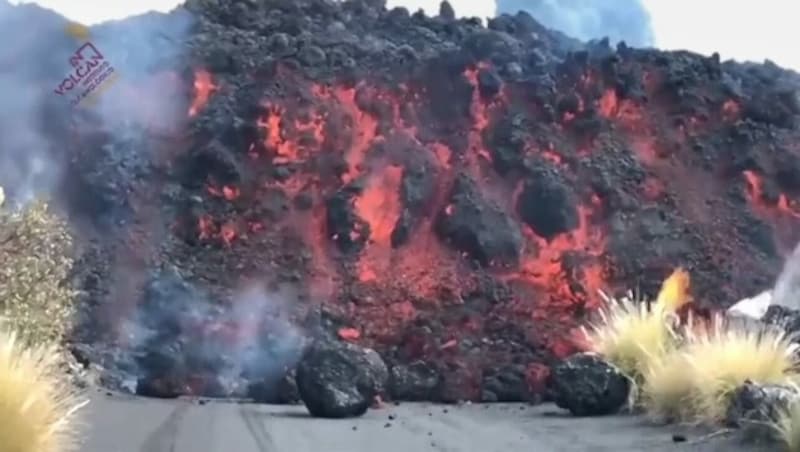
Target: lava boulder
point(340, 380)
point(414, 382)
point(586, 385)
point(505, 384)
point(474, 225)
point(548, 205)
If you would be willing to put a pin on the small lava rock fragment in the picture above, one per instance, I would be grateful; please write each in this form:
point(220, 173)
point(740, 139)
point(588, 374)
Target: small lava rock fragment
point(586, 385)
point(781, 316)
point(162, 388)
point(446, 11)
point(339, 380)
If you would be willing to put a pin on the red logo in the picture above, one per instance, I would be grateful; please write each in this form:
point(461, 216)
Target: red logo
point(89, 69)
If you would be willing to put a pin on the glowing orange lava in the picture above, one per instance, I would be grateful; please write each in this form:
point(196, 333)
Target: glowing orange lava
point(363, 128)
point(731, 110)
point(545, 268)
point(379, 204)
point(755, 193)
point(203, 87)
point(479, 113)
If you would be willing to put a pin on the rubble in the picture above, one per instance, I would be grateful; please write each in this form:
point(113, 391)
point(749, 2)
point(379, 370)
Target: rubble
point(586, 385)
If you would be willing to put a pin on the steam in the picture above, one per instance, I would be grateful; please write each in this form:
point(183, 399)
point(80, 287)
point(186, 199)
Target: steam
point(787, 287)
point(785, 292)
point(619, 20)
point(179, 330)
point(35, 60)
point(279, 341)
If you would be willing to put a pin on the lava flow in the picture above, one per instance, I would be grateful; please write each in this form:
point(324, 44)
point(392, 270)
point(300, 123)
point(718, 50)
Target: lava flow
point(457, 201)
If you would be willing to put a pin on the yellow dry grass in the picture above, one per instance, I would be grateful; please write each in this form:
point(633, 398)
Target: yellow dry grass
point(694, 381)
point(38, 407)
point(668, 386)
point(632, 335)
point(722, 356)
point(788, 427)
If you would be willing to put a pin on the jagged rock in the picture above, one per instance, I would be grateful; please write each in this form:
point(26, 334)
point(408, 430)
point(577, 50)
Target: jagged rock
point(474, 225)
point(276, 391)
point(783, 317)
point(415, 382)
point(548, 205)
point(338, 380)
point(753, 407)
point(586, 385)
point(505, 384)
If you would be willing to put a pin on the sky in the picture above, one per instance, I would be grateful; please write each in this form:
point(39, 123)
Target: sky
point(738, 29)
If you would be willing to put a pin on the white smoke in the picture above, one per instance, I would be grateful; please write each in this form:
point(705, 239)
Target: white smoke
point(619, 20)
point(787, 287)
point(785, 292)
point(36, 62)
point(257, 314)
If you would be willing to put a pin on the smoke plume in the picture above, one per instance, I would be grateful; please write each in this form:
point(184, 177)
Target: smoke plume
point(36, 61)
point(787, 285)
point(619, 20)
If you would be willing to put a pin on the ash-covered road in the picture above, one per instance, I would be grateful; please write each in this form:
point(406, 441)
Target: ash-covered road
point(122, 424)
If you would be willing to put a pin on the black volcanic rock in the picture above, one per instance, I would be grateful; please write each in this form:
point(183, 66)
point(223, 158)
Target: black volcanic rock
point(476, 226)
point(346, 229)
point(505, 384)
point(414, 382)
point(586, 385)
point(755, 407)
point(548, 205)
point(338, 380)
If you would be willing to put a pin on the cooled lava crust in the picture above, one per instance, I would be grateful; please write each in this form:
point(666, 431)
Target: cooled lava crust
point(442, 191)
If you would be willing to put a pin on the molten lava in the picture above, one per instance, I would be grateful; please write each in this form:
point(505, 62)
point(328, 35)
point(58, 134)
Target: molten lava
point(203, 88)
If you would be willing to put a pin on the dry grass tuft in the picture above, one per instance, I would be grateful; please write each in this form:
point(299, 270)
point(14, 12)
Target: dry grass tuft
point(668, 387)
point(36, 250)
point(630, 335)
point(788, 427)
point(722, 356)
point(37, 405)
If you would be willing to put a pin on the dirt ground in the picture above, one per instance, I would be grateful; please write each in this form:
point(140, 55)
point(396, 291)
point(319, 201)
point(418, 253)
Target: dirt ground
point(125, 424)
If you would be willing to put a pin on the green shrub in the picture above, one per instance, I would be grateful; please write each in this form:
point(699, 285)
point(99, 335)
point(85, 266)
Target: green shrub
point(36, 254)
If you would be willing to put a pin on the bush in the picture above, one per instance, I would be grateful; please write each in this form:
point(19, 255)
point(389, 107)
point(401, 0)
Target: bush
point(35, 249)
point(788, 427)
point(38, 407)
point(722, 356)
point(632, 334)
point(668, 387)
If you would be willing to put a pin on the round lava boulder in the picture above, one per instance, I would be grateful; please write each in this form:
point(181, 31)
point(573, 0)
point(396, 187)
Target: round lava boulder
point(586, 385)
point(339, 380)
